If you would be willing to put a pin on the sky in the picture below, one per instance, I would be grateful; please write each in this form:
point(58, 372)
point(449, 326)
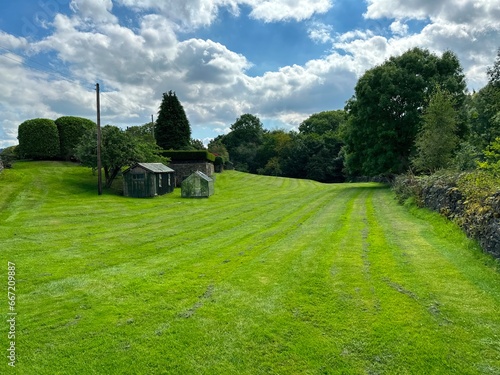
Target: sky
point(280, 60)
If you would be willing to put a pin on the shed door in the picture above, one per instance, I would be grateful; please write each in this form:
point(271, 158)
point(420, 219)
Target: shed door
point(138, 185)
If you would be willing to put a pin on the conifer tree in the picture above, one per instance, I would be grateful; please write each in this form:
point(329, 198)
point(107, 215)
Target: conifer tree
point(172, 130)
point(437, 138)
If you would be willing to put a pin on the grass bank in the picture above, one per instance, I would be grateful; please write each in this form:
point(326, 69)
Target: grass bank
point(267, 276)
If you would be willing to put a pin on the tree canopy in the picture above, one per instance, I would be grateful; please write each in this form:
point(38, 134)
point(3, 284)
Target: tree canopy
point(385, 112)
point(119, 148)
point(172, 130)
point(437, 139)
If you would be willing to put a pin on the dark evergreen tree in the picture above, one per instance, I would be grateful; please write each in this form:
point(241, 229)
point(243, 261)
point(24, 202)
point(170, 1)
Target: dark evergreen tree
point(172, 130)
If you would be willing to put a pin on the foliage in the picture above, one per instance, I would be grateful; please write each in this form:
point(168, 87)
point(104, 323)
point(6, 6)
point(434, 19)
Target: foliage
point(484, 116)
point(491, 161)
point(185, 155)
point(119, 149)
point(494, 71)
point(384, 115)
point(216, 147)
point(71, 129)
point(38, 139)
point(172, 130)
point(323, 122)
point(8, 155)
point(466, 157)
point(437, 139)
point(196, 144)
point(145, 132)
point(243, 141)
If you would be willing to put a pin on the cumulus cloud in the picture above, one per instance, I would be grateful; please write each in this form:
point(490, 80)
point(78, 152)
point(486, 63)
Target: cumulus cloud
point(320, 33)
point(136, 65)
point(278, 10)
point(96, 11)
point(399, 28)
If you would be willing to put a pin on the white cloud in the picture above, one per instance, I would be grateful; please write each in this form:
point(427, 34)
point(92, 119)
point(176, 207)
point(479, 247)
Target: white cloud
point(94, 11)
point(279, 10)
point(320, 33)
point(399, 28)
point(136, 65)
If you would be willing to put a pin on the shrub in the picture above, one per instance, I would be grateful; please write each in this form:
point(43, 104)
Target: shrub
point(38, 139)
point(8, 155)
point(181, 155)
point(71, 130)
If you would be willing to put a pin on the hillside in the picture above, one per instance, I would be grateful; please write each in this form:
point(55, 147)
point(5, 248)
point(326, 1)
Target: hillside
point(269, 275)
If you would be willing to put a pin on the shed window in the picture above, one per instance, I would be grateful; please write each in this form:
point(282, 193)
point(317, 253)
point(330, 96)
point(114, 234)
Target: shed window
point(139, 176)
point(159, 180)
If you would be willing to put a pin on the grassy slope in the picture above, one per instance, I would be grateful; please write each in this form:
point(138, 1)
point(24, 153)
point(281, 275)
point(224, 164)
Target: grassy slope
point(269, 275)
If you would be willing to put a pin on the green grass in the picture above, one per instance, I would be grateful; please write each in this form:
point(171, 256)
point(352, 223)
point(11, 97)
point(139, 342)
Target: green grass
point(267, 276)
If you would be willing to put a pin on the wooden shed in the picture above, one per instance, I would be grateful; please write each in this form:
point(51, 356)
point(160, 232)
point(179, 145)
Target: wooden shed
point(197, 185)
point(148, 180)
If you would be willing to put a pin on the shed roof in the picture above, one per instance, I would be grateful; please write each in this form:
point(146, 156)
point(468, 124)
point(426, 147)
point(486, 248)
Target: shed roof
point(153, 167)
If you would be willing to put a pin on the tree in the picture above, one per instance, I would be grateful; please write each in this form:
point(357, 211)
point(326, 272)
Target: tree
point(322, 122)
point(8, 155)
point(38, 139)
point(119, 149)
point(71, 129)
point(196, 144)
point(437, 139)
point(216, 147)
point(384, 115)
point(243, 140)
point(492, 158)
point(172, 130)
point(494, 71)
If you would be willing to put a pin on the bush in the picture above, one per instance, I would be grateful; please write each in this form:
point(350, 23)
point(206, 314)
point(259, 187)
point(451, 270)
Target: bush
point(71, 130)
point(180, 155)
point(8, 155)
point(38, 139)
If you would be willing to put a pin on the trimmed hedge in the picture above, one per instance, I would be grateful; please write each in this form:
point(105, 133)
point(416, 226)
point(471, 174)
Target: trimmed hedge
point(181, 155)
point(38, 139)
point(71, 129)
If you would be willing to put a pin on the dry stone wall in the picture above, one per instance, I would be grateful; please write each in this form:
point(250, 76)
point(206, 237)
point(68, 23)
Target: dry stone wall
point(480, 221)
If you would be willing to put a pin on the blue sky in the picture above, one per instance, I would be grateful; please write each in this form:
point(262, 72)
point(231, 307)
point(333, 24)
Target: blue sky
point(281, 60)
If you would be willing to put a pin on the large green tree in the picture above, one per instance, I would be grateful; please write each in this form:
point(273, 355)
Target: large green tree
point(386, 111)
point(485, 109)
point(172, 130)
point(38, 139)
point(119, 148)
point(243, 141)
point(322, 122)
point(437, 139)
point(71, 129)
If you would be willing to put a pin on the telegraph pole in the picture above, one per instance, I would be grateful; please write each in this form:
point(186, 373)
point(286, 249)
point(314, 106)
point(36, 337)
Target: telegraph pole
point(152, 126)
point(99, 164)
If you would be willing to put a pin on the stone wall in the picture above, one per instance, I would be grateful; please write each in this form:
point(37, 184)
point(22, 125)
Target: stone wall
point(480, 220)
point(185, 169)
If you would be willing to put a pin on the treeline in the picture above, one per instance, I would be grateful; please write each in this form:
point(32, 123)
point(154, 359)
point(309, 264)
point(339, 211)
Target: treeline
point(411, 113)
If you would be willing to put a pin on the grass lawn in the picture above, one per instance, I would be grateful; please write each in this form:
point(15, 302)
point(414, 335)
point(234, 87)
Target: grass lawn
point(267, 276)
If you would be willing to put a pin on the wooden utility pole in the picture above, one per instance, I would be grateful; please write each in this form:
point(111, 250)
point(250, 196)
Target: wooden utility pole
point(152, 126)
point(99, 164)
